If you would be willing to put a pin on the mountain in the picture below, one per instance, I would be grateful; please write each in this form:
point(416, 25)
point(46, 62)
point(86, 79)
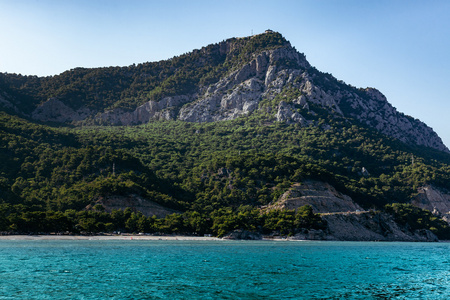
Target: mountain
point(237, 137)
point(261, 74)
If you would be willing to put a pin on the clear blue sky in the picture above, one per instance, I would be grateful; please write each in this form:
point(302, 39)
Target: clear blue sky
point(400, 47)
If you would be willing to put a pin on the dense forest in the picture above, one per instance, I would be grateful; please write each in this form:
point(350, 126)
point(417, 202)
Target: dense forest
point(217, 176)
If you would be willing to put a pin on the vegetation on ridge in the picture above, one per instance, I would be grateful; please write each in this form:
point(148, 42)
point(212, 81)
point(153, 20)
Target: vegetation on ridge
point(128, 87)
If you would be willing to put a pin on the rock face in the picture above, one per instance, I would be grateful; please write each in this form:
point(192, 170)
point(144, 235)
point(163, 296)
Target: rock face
point(243, 235)
point(435, 200)
point(278, 80)
point(53, 110)
point(241, 91)
point(6, 103)
point(322, 197)
point(166, 109)
point(375, 111)
point(346, 220)
point(136, 203)
point(371, 226)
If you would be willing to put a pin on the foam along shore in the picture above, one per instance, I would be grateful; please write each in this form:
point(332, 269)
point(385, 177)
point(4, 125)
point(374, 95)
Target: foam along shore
point(106, 237)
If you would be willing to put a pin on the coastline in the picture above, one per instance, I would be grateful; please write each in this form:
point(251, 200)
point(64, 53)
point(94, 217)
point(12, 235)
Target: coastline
point(55, 237)
point(105, 237)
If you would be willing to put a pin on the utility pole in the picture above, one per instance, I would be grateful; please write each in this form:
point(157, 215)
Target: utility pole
point(114, 169)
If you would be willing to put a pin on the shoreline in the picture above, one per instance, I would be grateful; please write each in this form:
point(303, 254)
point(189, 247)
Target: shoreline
point(106, 237)
point(123, 237)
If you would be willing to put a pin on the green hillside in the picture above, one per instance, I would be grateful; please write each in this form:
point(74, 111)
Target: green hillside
point(274, 121)
point(217, 175)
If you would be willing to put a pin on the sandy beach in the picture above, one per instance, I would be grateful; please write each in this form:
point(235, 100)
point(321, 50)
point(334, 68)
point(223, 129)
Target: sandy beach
point(105, 237)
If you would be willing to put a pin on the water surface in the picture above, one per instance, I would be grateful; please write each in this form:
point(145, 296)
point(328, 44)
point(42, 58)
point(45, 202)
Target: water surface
point(137, 269)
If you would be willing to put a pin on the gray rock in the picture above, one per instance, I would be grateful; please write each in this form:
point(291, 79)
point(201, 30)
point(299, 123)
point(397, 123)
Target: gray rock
point(370, 226)
point(436, 200)
point(6, 103)
point(243, 235)
point(285, 114)
point(54, 110)
point(322, 197)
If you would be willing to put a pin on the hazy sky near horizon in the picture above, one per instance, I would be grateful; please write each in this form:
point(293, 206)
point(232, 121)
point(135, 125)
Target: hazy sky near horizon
point(400, 47)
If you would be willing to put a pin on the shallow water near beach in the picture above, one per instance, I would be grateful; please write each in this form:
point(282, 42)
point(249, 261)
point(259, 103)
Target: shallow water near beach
point(133, 269)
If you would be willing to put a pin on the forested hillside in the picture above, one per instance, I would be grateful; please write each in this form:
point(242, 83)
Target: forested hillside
point(223, 133)
point(217, 175)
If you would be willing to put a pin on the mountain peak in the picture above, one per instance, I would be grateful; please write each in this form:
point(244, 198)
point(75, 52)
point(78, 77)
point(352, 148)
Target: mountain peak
point(259, 74)
point(253, 44)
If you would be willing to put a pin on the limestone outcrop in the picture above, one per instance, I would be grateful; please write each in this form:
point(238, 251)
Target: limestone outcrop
point(369, 226)
point(5, 102)
point(345, 219)
point(166, 109)
point(54, 110)
point(434, 199)
point(135, 203)
point(321, 196)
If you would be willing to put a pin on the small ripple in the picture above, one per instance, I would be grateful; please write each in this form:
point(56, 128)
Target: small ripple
point(400, 269)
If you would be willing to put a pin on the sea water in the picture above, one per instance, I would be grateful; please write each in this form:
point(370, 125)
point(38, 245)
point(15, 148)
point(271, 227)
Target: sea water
point(159, 269)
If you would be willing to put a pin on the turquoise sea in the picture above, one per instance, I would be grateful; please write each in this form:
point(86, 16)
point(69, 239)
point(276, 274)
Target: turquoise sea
point(138, 269)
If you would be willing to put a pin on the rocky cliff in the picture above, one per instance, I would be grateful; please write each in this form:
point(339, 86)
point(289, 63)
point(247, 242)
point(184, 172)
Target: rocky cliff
point(321, 196)
point(366, 226)
point(436, 200)
point(345, 219)
point(134, 202)
point(54, 110)
point(6, 102)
